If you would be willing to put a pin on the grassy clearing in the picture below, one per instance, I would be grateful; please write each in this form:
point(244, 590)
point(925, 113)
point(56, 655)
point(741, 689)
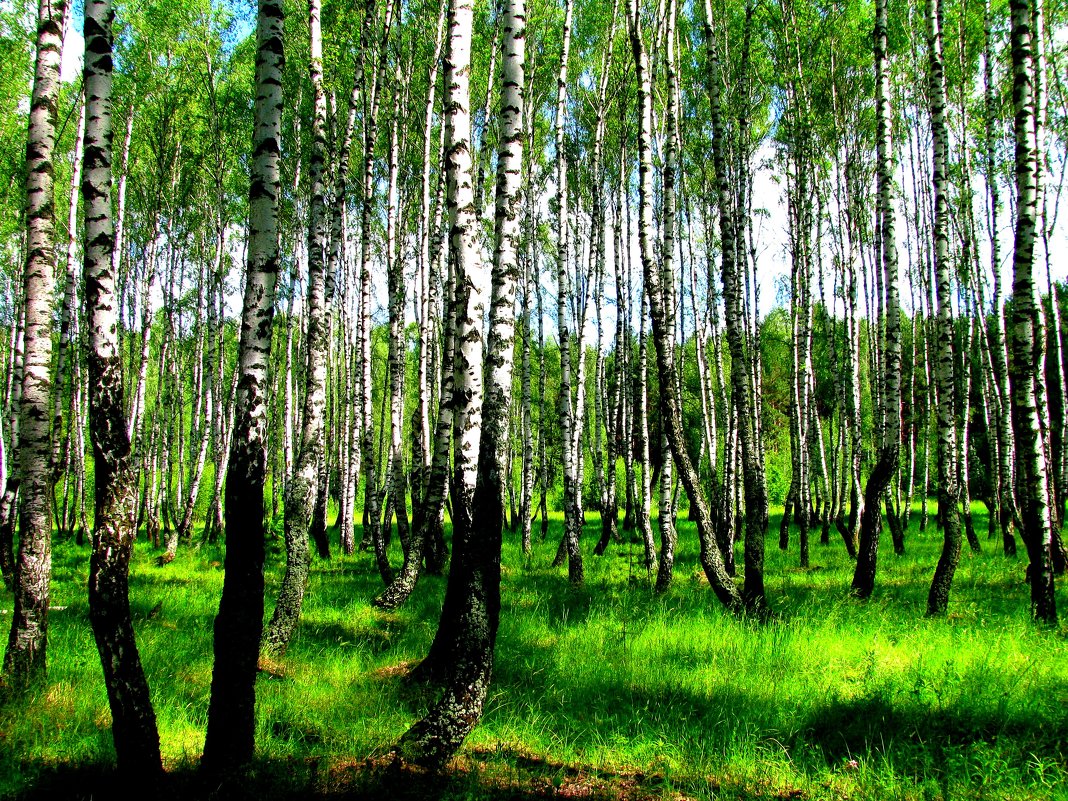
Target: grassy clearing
point(607, 691)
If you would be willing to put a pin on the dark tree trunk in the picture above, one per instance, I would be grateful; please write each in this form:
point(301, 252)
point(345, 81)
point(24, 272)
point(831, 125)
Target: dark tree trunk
point(230, 741)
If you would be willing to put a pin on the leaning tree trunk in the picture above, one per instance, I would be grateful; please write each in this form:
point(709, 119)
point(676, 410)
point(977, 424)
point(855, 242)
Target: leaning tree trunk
point(230, 740)
point(427, 539)
point(948, 470)
point(887, 465)
point(711, 561)
point(133, 719)
point(471, 610)
point(429, 518)
point(302, 487)
point(752, 463)
point(25, 658)
point(1025, 368)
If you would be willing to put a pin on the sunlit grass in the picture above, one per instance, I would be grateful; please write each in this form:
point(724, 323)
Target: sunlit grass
point(833, 698)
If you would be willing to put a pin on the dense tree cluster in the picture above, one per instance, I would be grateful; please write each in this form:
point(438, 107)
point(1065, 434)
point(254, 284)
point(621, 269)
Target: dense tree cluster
point(332, 272)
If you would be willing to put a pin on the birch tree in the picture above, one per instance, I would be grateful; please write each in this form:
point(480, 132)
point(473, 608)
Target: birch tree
point(471, 609)
point(230, 740)
point(1026, 334)
point(133, 718)
point(947, 457)
point(889, 412)
point(25, 657)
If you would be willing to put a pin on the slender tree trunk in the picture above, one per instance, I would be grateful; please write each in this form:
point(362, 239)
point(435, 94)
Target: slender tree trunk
point(9, 499)
point(668, 536)
point(398, 352)
point(1026, 335)
point(711, 561)
point(948, 469)
point(626, 374)
point(568, 426)
point(751, 455)
point(887, 465)
point(543, 448)
point(67, 357)
point(25, 658)
point(471, 610)
point(422, 446)
point(645, 523)
point(999, 341)
point(529, 285)
point(230, 741)
point(133, 719)
point(371, 504)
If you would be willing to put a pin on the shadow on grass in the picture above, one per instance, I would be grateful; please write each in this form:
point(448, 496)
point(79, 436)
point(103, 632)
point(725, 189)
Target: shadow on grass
point(911, 737)
point(845, 728)
point(499, 775)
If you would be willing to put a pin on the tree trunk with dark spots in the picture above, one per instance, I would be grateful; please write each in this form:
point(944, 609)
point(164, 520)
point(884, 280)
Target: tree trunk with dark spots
point(230, 741)
point(25, 658)
point(133, 718)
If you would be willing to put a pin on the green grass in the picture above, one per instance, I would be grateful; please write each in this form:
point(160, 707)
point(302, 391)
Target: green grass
point(607, 689)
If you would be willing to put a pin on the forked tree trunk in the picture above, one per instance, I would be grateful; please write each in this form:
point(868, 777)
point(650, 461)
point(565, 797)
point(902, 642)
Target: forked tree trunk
point(751, 452)
point(133, 719)
point(471, 610)
point(711, 561)
point(427, 541)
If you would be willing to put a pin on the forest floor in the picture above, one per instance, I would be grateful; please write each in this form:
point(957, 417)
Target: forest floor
point(609, 691)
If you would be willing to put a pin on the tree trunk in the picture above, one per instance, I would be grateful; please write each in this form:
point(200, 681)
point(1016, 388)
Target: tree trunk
point(25, 658)
point(1026, 335)
point(668, 536)
point(230, 740)
point(371, 505)
point(645, 524)
point(887, 465)
point(948, 469)
point(1008, 509)
point(302, 487)
point(471, 610)
point(721, 583)
point(398, 352)
point(133, 719)
point(751, 452)
point(422, 446)
point(9, 499)
point(572, 490)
